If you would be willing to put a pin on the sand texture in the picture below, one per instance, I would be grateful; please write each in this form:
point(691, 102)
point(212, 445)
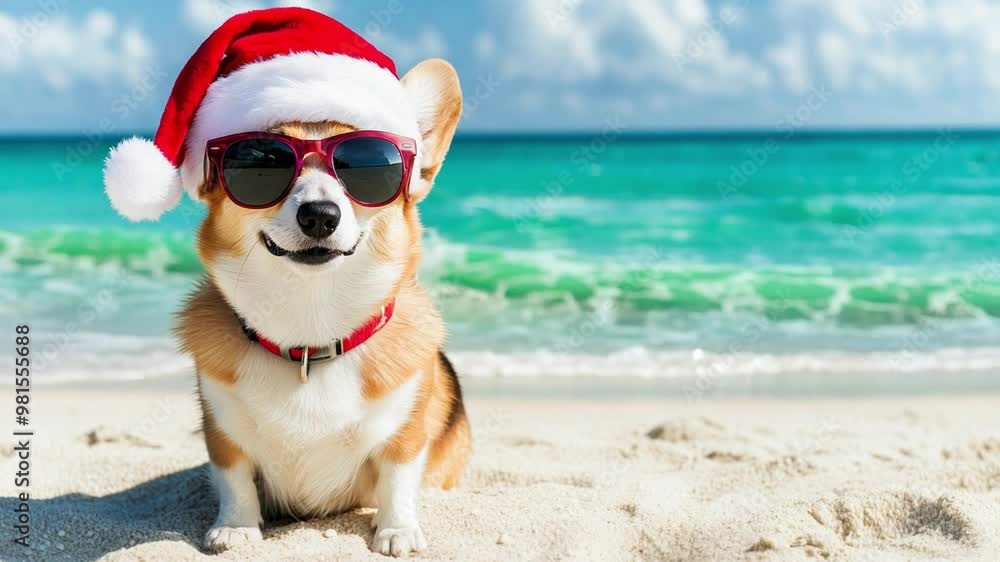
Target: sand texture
point(121, 476)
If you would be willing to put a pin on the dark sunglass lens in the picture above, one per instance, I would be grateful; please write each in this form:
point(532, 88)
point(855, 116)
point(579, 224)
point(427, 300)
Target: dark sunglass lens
point(371, 169)
point(257, 171)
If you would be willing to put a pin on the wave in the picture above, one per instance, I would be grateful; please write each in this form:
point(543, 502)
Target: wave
point(103, 356)
point(98, 356)
point(646, 283)
point(828, 208)
point(86, 248)
point(861, 296)
point(645, 363)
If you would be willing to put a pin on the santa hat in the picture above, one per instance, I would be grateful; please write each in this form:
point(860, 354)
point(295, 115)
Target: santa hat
point(258, 69)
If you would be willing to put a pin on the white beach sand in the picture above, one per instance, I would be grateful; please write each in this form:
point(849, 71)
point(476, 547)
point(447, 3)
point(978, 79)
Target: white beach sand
point(120, 475)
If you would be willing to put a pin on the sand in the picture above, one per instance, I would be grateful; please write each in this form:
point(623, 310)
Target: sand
point(120, 475)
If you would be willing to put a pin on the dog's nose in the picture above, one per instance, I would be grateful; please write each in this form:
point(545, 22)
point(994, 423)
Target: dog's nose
point(318, 219)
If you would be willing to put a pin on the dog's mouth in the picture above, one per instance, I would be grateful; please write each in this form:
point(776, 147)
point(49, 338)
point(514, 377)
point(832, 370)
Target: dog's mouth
point(311, 256)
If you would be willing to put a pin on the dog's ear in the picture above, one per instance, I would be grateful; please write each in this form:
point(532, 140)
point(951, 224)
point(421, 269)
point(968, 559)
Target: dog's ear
point(436, 95)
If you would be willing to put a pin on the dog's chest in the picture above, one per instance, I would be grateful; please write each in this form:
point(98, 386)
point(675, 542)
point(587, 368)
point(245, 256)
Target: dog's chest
point(308, 441)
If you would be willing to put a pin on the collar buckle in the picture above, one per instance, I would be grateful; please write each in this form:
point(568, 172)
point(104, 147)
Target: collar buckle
point(335, 349)
point(304, 370)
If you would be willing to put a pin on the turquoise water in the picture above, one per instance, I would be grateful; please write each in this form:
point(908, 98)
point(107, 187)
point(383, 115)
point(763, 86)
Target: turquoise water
point(659, 250)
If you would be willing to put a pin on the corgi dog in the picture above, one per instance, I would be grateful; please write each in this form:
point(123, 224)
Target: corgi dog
point(320, 372)
point(367, 427)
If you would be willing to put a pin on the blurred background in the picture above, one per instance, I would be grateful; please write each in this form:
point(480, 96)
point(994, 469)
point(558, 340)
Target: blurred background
point(699, 195)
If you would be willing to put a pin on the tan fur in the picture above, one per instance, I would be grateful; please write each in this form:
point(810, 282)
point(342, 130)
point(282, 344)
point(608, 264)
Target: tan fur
point(448, 456)
point(302, 130)
point(388, 236)
point(428, 173)
point(452, 445)
point(405, 346)
point(409, 344)
point(208, 331)
point(439, 129)
point(221, 451)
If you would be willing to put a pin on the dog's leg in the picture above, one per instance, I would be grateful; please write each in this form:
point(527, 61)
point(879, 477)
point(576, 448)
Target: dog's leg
point(239, 507)
point(397, 531)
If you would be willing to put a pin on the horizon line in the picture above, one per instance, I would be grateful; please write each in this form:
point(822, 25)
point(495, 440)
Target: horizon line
point(683, 132)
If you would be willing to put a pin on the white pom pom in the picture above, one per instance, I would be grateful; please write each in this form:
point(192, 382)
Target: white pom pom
point(139, 180)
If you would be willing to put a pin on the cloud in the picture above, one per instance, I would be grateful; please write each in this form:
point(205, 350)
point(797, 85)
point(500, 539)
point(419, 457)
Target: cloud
point(837, 56)
point(916, 47)
point(206, 15)
point(485, 46)
point(9, 56)
point(682, 43)
point(63, 52)
point(762, 51)
point(427, 43)
point(790, 59)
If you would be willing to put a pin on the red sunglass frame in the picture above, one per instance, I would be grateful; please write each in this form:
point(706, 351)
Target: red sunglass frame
point(215, 151)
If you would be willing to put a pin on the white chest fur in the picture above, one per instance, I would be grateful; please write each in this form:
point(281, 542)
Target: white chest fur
point(309, 441)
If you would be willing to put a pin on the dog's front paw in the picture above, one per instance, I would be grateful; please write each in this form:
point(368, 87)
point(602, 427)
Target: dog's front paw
point(221, 538)
point(399, 540)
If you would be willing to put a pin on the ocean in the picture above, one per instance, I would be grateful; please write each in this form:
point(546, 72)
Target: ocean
point(656, 256)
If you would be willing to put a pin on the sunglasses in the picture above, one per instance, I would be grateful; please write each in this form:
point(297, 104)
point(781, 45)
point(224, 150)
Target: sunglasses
point(257, 170)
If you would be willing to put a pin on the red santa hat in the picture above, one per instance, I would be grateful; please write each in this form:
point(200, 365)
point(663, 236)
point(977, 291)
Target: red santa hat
point(258, 69)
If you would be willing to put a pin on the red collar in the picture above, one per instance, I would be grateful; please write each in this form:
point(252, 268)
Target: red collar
point(309, 355)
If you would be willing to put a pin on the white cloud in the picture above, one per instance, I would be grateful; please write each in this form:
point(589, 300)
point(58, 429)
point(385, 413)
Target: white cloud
point(325, 6)
point(790, 58)
point(689, 12)
point(531, 101)
point(837, 56)
point(428, 43)
point(734, 13)
point(657, 103)
point(485, 45)
point(622, 105)
point(206, 15)
point(9, 57)
point(679, 42)
point(916, 47)
point(855, 15)
point(63, 52)
point(913, 48)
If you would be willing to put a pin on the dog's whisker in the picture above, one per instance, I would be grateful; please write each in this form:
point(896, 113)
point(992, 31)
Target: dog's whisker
point(245, 258)
point(240, 241)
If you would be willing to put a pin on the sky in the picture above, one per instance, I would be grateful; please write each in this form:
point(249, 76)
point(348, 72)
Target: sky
point(550, 65)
